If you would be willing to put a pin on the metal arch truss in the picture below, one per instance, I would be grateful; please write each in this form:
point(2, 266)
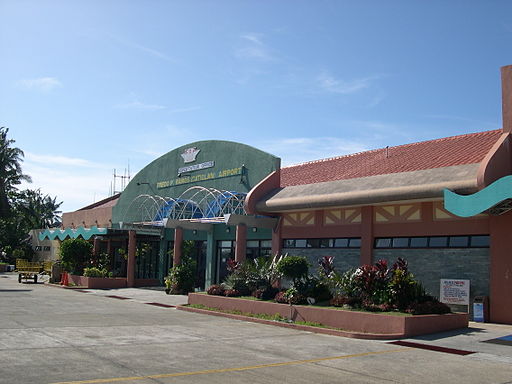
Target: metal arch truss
point(195, 204)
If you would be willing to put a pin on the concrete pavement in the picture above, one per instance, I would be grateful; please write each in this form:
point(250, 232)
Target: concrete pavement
point(54, 335)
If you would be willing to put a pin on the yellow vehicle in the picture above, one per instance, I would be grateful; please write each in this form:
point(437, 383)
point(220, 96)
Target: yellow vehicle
point(30, 270)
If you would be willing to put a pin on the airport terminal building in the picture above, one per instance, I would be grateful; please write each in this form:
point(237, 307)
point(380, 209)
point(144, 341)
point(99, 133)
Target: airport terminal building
point(444, 205)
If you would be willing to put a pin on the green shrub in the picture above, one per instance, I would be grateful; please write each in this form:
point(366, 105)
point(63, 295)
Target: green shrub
point(293, 267)
point(95, 272)
point(252, 275)
point(237, 281)
point(182, 277)
point(74, 253)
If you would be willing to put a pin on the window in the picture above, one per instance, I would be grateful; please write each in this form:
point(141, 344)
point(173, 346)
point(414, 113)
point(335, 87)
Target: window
point(419, 242)
point(300, 243)
point(354, 243)
point(438, 242)
point(478, 241)
point(313, 243)
point(340, 243)
point(258, 248)
point(458, 241)
point(401, 242)
point(322, 243)
point(382, 243)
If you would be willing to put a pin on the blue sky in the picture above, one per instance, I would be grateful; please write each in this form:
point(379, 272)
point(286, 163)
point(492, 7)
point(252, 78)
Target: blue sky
point(89, 86)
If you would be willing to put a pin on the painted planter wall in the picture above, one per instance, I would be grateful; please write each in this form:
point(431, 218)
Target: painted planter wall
point(98, 282)
point(363, 322)
point(109, 282)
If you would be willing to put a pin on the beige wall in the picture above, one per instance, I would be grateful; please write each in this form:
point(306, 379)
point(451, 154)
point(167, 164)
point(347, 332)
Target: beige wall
point(44, 249)
point(100, 217)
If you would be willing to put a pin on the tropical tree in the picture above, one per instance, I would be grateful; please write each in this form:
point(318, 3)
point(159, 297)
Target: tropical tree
point(11, 174)
point(20, 211)
point(36, 209)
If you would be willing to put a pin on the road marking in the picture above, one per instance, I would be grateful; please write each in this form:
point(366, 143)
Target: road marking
point(235, 369)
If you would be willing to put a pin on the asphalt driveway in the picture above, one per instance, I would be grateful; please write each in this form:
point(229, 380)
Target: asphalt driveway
point(54, 335)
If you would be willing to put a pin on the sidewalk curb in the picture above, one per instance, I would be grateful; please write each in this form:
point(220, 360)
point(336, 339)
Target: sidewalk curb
point(325, 331)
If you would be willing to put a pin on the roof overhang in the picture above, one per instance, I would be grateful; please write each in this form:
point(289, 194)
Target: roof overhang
point(423, 184)
point(71, 233)
point(232, 219)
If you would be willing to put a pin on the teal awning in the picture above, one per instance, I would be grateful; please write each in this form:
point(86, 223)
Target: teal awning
point(71, 233)
point(471, 205)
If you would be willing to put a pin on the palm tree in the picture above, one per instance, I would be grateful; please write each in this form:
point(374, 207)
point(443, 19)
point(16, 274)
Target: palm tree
point(11, 174)
point(37, 210)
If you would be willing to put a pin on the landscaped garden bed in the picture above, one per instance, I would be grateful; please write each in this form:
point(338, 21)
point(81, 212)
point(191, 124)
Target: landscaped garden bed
point(372, 301)
point(350, 323)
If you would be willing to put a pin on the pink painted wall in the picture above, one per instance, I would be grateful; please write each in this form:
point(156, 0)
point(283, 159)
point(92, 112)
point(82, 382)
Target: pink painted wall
point(401, 326)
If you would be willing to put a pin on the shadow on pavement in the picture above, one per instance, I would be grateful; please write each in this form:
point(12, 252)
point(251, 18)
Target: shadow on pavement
point(470, 331)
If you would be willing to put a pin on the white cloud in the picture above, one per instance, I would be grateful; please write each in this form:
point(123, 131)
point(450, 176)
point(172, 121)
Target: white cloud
point(253, 48)
point(255, 38)
point(329, 83)
point(143, 48)
point(43, 84)
point(76, 182)
point(185, 109)
point(56, 160)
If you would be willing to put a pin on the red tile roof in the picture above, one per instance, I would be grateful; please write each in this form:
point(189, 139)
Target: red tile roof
point(456, 150)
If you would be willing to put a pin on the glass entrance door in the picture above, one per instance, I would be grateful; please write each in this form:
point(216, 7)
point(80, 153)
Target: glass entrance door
point(225, 251)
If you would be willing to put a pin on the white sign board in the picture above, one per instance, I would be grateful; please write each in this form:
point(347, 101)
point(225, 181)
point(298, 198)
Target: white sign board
point(454, 292)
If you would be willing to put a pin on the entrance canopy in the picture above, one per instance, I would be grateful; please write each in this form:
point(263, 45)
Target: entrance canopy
point(195, 204)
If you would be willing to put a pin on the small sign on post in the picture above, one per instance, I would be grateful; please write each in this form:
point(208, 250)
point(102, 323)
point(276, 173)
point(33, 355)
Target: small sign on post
point(454, 292)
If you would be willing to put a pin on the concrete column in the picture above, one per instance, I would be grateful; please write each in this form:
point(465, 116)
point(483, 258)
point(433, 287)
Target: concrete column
point(366, 256)
point(162, 267)
point(241, 242)
point(96, 247)
point(178, 246)
point(209, 278)
point(277, 241)
point(130, 269)
point(500, 300)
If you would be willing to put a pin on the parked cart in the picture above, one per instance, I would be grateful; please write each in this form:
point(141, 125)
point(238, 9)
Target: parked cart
point(28, 270)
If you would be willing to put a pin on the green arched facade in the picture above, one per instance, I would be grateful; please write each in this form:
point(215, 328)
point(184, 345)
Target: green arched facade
point(221, 165)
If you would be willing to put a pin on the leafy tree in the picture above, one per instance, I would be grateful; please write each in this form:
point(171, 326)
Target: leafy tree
point(36, 209)
point(11, 174)
point(293, 267)
point(20, 211)
point(74, 253)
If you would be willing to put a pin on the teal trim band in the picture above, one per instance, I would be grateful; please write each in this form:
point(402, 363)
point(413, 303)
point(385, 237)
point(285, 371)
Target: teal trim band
point(471, 205)
point(69, 233)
